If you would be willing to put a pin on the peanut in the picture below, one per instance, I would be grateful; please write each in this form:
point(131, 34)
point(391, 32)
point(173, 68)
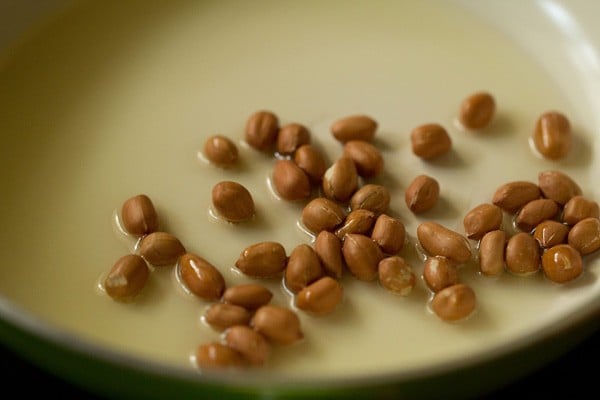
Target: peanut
point(221, 316)
point(217, 355)
point(291, 137)
point(454, 302)
point(329, 250)
point(278, 324)
point(252, 345)
point(161, 248)
point(437, 240)
point(322, 214)
point(290, 181)
point(220, 151)
point(250, 296)
point(429, 141)
point(262, 260)
point(512, 196)
point(389, 233)
point(232, 201)
point(439, 272)
point(303, 268)
point(320, 297)
point(477, 110)
point(357, 221)
point(522, 255)
point(491, 253)
point(366, 157)
point(482, 219)
point(127, 277)
point(396, 275)
point(138, 215)
point(585, 236)
point(375, 198)
point(362, 255)
point(261, 132)
point(422, 194)
point(550, 233)
point(200, 277)
point(340, 180)
point(558, 186)
point(311, 161)
point(562, 263)
point(552, 135)
point(535, 212)
point(578, 208)
point(354, 127)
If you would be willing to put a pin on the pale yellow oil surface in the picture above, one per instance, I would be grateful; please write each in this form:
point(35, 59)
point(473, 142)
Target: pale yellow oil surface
point(111, 100)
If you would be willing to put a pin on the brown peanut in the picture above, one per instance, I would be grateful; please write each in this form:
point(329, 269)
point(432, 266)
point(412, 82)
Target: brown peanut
point(396, 275)
point(127, 277)
point(291, 137)
point(366, 157)
point(354, 127)
point(429, 141)
point(322, 214)
point(200, 277)
point(481, 220)
point(221, 316)
point(389, 233)
point(220, 151)
point(290, 181)
point(552, 135)
point(558, 186)
point(161, 248)
point(454, 303)
point(422, 194)
point(512, 196)
point(439, 272)
point(252, 345)
point(375, 198)
point(477, 110)
point(340, 180)
point(278, 324)
point(522, 255)
point(437, 240)
point(562, 263)
point(578, 208)
point(261, 132)
point(550, 233)
point(138, 215)
point(262, 260)
point(311, 161)
point(250, 296)
point(491, 253)
point(585, 236)
point(329, 250)
point(357, 221)
point(303, 268)
point(535, 212)
point(362, 255)
point(232, 201)
point(320, 297)
point(216, 355)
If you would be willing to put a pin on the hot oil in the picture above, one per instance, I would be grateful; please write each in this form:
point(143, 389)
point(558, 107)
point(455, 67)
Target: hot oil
point(96, 115)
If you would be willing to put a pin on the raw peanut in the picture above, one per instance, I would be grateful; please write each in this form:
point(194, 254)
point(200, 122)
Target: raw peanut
point(558, 186)
point(261, 130)
point(482, 219)
point(262, 260)
point(552, 135)
point(522, 254)
point(535, 212)
point(512, 196)
point(250, 296)
point(220, 151)
point(550, 233)
point(422, 194)
point(311, 161)
point(367, 158)
point(439, 272)
point(437, 240)
point(477, 110)
point(375, 198)
point(578, 208)
point(217, 355)
point(138, 215)
point(252, 345)
point(585, 236)
point(491, 253)
point(562, 263)
point(221, 316)
point(303, 268)
point(354, 127)
point(321, 297)
point(329, 250)
point(389, 233)
point(430, 141)
point(362, 255)
point(340, 180)
point(396, 275)
point(232, 201)
point(161, 248)
point(322, 214)
point(127, 277)
point(454, 302)
point(290, 137)
point(290, 181)
point(200, 277)
point(358, 221)
point(278, 324)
